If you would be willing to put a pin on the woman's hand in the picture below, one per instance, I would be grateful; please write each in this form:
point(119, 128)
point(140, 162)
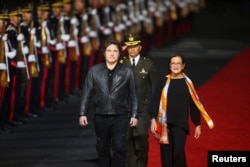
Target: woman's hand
point(197, 133)
point(153, 126)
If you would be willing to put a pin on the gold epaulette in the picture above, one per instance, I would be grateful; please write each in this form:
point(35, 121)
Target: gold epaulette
point(121, 61)
point(10, 27)
point(23, 24)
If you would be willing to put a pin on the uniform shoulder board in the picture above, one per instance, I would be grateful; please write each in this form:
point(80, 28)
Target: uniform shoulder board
point(145, 58)
point(23, 24)
point(10, 28)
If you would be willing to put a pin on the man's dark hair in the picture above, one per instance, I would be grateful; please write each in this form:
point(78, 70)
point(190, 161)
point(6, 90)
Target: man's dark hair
point(111, 40)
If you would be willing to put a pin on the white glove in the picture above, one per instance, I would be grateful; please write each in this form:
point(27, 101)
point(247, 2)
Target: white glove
point(52, 42)
point(73, 21)
point(25, 50)
point(59, 46)
point(20, 37)
point(5, 37)
point(117, 29)
point(84, 17)
point(61, 19)
point(122, 26)
point(145, 12)
point(107, 31)
point(44, 24)
point(84, 39)
point(106, 10)
point(75, 31)
point(71, 43)
point(11, 54)
point(45, 50)
point(124, 18)
point(65, 37)
point(3, 66)
point(94, 12)
point(110, 24)
point(38, 44)
point(33, 31)
point(31, 58)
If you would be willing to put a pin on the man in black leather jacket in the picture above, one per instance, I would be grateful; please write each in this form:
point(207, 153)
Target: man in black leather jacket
point(112, 86)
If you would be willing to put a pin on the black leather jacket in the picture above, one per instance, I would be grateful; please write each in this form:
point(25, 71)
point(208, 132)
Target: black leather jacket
point(121, 98)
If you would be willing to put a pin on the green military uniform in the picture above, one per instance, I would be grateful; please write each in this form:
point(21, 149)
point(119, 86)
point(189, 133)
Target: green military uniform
point(146, 77)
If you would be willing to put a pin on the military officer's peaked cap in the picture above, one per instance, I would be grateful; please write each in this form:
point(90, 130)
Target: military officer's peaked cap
point(132, 40)
point(15, 12)
point(67, 1)
point(57, 3)
point(4, 15)
point(43, 7)
point(79, 0)
point(27, 8)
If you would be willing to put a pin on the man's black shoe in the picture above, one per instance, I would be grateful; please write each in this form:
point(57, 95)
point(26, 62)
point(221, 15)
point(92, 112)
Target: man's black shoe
point(6, 131)
point(16, 123)
point(32, 115)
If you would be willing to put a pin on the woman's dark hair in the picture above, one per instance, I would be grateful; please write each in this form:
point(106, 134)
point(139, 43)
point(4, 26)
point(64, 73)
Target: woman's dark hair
point(182, 59)
point(109, 41)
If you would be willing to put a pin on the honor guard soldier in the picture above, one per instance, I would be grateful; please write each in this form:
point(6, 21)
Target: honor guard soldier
point(134, 14)
point(17, 68)
point(58, 50)
point(44, 54)
point(125, 16)
point(82, 15)
point(148, 27)
point(184, 25)
point(28, 29)
point(119, 27)
point(159, 11)
point(94, 23)
point(172, 19)
point(146, 79)
point(106, 15)
point(4, 75)
point(70, 39)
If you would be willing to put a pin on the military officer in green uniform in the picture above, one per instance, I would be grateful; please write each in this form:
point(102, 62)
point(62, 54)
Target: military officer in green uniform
point(146, 78)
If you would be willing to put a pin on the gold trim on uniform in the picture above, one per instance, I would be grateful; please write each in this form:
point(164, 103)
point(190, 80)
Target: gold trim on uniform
point(28, 8)
point(4, 16)
point(44, 7)
point(15, 12)
point(57, 4)
point(10, 28)
point(67, 1)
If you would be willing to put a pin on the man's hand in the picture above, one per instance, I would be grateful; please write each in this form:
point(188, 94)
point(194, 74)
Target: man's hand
point(124, 47)
point(83, 121)
point(133, 122)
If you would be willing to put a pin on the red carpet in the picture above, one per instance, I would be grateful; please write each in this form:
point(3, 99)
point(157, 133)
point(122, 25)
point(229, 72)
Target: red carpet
point(226, 98)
